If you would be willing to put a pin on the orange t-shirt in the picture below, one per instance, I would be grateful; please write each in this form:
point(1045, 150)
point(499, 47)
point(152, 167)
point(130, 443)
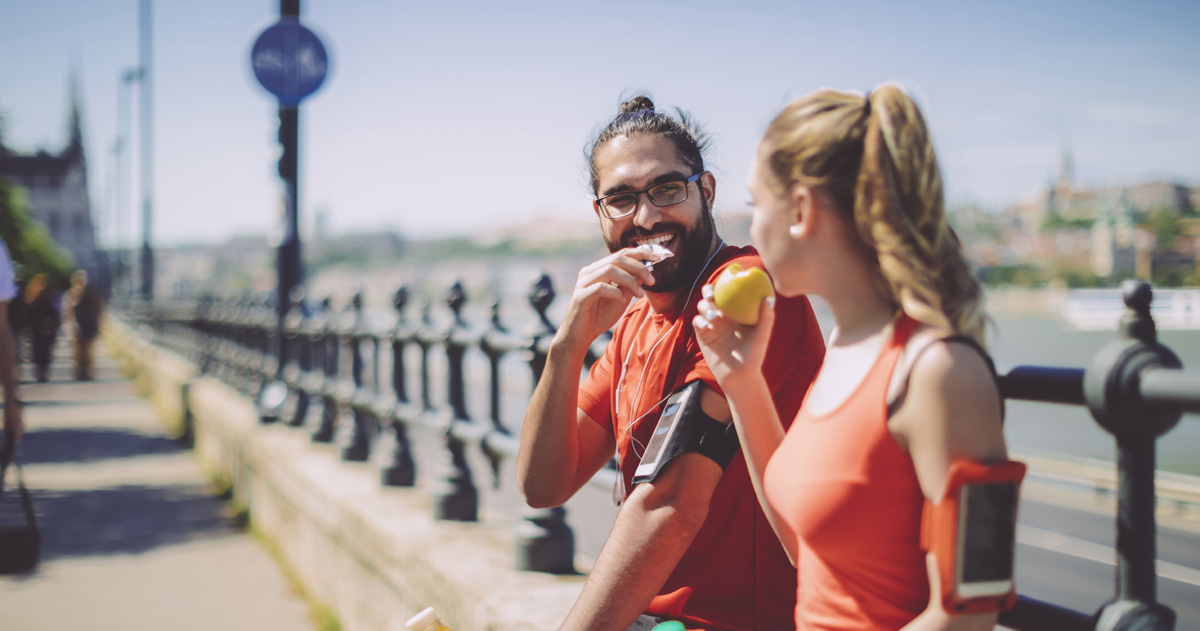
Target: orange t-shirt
point(735, 575)
point(851, 494)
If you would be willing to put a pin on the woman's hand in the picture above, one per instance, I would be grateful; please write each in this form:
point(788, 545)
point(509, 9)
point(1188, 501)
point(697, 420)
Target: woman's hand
point(734, 352)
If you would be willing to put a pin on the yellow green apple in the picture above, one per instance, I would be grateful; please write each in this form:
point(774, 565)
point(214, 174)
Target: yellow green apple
point(738, 293)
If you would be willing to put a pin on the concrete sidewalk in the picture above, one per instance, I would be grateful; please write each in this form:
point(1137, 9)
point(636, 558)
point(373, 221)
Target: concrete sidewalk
point(134, 536)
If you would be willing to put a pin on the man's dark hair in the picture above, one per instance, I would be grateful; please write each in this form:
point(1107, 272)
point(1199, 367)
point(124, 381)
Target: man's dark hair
point(637, 116)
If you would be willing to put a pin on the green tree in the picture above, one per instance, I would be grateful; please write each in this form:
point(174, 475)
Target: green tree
point(1165, 224)
point(29, 243)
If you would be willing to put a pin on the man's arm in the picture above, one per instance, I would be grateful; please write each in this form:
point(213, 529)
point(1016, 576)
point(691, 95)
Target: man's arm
point(13, 423)
point(561, 447)
point(655, 527)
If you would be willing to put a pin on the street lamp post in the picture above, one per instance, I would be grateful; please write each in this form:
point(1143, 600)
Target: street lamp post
point(146, 153)
point(290, 270)
point(124, 84)
point(290, 63)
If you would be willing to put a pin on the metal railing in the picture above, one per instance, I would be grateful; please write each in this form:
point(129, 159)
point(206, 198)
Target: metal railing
point(348, 380)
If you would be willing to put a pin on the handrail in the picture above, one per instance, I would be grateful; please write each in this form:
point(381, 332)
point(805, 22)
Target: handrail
point(332, 371)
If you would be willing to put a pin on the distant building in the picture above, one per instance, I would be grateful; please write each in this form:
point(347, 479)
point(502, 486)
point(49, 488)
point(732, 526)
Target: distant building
point(57, 188)
point(380, 246)
point(1113, 241)
point(1064, 202)
point(547, 231)
point(1151, 196)
point(236, 266)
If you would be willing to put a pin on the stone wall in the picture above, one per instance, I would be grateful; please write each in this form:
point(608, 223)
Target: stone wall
point(372, 554)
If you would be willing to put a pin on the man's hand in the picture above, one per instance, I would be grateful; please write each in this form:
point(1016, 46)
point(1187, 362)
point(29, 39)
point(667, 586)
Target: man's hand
point(603, 290)
point(561, 447)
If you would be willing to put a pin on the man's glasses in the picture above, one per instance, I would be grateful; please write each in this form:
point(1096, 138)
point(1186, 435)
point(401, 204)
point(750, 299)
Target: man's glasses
point(625, 203)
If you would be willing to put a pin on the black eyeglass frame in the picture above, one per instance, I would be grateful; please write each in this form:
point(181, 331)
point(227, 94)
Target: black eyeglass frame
point(602, 206)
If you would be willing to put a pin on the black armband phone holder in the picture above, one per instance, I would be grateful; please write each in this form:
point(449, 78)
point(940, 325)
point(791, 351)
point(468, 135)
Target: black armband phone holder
point(684, 428)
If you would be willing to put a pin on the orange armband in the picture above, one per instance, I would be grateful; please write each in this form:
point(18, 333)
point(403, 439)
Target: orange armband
point(971, 532)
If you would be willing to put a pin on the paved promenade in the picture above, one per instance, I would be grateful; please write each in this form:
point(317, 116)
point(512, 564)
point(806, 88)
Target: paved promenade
point(135, 538)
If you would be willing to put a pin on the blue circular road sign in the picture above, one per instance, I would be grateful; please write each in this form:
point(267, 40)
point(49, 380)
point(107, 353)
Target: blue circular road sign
point(289, 61)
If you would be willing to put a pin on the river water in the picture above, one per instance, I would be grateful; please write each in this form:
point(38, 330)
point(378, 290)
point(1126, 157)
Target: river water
point(1021, 337)
point(1040, 427)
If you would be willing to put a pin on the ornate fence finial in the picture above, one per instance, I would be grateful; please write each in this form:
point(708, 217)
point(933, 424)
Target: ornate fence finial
point(400, 300)
point(540, 297)
point(296, 297)
point(1136, 323)
point(455, 299)
point(1112, 382)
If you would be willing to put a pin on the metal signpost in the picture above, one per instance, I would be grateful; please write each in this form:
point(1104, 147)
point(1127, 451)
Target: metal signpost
point(290, 62)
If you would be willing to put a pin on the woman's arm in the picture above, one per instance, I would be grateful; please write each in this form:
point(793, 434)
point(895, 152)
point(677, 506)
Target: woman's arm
point(951, 412)
point(735, 355)
point(760, 432)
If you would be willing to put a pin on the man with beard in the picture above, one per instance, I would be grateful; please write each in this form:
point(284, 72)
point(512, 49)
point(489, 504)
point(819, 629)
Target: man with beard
point(690, 544)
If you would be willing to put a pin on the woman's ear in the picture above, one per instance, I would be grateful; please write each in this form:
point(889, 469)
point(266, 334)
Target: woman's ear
point(803, 218)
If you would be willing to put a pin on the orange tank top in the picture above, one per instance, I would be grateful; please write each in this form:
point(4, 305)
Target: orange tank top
point(851, 495)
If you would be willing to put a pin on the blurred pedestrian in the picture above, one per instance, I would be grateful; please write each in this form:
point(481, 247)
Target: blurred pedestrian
point(44, 322)
point(18, 323)
point(13, 423)
point(83, 306)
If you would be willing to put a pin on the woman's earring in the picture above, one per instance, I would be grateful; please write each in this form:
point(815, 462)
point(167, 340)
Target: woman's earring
point(794, 231)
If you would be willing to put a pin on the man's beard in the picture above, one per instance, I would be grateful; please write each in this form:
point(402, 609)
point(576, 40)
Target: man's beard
point(673, 273)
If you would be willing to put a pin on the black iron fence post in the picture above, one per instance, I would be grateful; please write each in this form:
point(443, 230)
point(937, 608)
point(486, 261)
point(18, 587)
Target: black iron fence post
point(279, 384)
point(1113, 393)
point(206, 333)
point(299, 362)
point(544, 541)
point(296, 375)
point(313, 365)
point(400, 468)
point(356, 437)
point(329, 385)
point(264, 329)
point(455, 496)
point(494, 344)
point(245, 343)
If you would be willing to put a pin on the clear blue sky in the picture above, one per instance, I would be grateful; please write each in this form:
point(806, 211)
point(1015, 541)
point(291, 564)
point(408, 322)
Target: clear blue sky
point(443, 117)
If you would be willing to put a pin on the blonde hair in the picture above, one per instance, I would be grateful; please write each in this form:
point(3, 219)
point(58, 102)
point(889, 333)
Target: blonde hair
point(873, 159)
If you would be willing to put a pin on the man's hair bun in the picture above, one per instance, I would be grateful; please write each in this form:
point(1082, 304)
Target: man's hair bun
point(637, 104)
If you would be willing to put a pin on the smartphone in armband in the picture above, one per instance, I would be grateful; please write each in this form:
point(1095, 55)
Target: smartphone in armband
point(669, 423)
point(972, 533)
point(683, 427)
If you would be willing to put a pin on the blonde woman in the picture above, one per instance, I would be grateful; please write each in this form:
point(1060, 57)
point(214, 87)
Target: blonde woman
point(849, 206)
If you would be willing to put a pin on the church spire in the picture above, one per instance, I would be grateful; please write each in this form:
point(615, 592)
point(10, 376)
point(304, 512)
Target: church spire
point(75, 124)
point(74, 149)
